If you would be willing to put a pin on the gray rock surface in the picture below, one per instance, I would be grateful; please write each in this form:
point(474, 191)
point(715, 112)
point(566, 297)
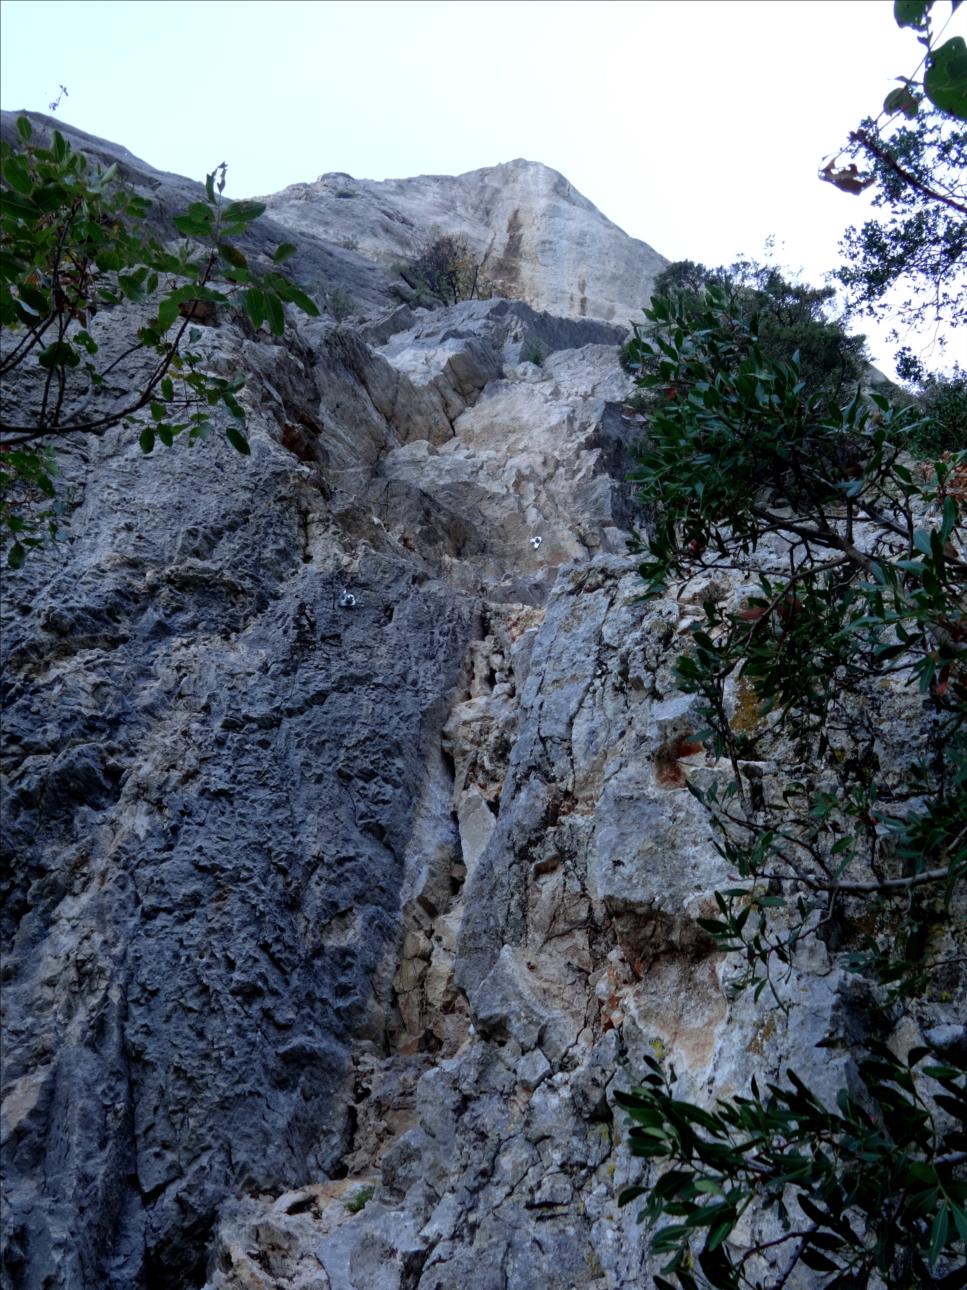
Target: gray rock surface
point(333, 921)
point(536, 237)
point(223, 791)
point(213, 778)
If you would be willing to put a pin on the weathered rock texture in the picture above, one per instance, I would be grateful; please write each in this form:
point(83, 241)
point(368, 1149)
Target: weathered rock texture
point(222, 787)
point(330, 927)
point(536, 237)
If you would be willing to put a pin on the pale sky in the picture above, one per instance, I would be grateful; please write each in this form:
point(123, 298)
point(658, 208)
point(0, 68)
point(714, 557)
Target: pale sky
point(696, 125)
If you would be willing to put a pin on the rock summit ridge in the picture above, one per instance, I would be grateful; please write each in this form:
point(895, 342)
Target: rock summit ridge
point(538, 238)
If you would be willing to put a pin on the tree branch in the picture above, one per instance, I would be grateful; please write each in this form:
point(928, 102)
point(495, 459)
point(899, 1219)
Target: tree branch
point(877, 150)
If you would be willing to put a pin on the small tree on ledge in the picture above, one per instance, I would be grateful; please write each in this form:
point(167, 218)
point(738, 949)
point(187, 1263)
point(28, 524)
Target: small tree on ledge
point(446, 269)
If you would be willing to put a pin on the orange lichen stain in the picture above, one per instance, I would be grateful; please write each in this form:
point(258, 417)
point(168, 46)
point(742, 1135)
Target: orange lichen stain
point(546, 866)
point(668, 770)
point(295, 440)
point(747, 715)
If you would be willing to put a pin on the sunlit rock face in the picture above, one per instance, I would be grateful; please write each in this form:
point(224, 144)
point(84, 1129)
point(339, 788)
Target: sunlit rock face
point(538, 239)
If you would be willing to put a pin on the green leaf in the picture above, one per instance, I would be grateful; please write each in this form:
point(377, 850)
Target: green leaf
point(938, 1233)
point(631, 1193)
point(167, 313)
point(146, 439)
point(273, 311)
point(233, 255)
point(24, 206)
point(911, 13)
point(302, 301)
point(818, 1262)
point(254, 302)
point(201, 212)
point(237, 440)
point(233, 406)
point(16, 556)
point(239, 214)
point(34, 301)
point(108, 260)
point(16, 174)
point(949, 518)
point(192, 226)
point(720, 1233)
point(210, 187)
point(23, 128)
point(945, 80)
point(902, 100)
point(283, 251)
point(59, 354)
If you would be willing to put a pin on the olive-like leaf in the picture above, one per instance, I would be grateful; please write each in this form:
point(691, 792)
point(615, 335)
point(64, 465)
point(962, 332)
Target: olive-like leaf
point(273, 311)
point(945, 80)
point(254, 302)
point(237, 440)
point(233, 255)
point(59, 354)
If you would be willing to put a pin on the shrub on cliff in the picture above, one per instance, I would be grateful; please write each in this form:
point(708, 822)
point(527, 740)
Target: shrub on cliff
point(943, 399)
point(791, 318)
point(445, 269)
point(833, 828)
point(742, 450)
point(73, 246)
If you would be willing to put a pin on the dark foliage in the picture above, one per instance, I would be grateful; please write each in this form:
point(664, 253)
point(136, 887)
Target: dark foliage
point(741, 448)
point(790, 318)
point(73, 246)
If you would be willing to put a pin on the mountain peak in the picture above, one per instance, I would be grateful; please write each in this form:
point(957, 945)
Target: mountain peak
point(538, 238)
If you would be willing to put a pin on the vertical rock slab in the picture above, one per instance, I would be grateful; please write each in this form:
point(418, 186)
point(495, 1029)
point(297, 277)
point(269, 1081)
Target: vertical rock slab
point(211, 773)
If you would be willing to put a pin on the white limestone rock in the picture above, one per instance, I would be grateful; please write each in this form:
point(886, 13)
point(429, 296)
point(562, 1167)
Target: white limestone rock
point(538, 239)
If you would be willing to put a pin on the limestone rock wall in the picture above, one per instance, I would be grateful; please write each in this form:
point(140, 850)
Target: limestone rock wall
point(570, 953)
point(537, 237)
point(349, 865)
point(228, 797)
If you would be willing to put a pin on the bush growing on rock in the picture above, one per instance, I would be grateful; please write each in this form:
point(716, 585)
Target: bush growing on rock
point(834, 695)
point(790, 317)
point(943, 399)
point(446, 269)
point(73, 250)
point(860, 835)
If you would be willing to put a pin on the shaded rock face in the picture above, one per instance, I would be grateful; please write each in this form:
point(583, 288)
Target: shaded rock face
point(536, 237)
point(235, 716)
point(214, 774)
point(349, 861)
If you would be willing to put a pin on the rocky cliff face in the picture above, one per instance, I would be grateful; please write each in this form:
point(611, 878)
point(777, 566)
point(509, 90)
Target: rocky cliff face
point(350, 864)
point(537, 238)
